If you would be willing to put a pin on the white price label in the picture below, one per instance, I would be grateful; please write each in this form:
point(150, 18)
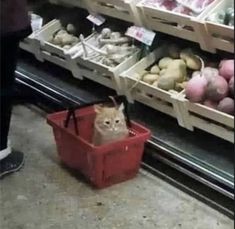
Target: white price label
point(141, 34)
point(96, 19)
point(36, 22)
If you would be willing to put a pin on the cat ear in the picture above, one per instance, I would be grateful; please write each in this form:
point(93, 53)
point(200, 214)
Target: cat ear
point(121, 107)
point(98, 108)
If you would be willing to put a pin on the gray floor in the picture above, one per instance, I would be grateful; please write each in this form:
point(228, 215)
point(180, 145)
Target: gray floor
point(43, 195)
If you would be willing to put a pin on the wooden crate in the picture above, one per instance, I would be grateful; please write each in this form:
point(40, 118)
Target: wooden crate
point(103, 74)
point(176, 24)
point(222, 36)
point(56, 54)
point(195, 115)
point(189, 115)
point(154, 97)
point(31, 44)
point(122, 9)
point(45, 34)
point(69, 3)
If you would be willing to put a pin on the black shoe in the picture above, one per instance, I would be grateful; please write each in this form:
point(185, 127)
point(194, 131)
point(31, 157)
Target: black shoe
point(12, 163)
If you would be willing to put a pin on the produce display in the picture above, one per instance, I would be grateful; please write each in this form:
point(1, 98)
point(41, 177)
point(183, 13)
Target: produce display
point(225, 17)
point(172, 71)
point(110, 48)
point(213, 87)
point(65, 37)
point(187, 7)
point(184, 71)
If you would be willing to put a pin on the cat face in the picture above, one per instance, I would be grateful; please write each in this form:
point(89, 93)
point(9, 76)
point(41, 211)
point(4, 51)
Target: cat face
point(110, 119)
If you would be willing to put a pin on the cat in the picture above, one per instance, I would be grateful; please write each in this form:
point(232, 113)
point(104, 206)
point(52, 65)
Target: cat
point(109, 125)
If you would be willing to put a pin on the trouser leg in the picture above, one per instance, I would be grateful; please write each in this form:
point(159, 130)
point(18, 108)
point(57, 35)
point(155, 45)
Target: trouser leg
point(9, 49)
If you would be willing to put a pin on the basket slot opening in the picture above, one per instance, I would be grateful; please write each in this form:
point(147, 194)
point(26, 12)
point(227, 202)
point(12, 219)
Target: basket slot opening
point(111, 6)
point(152, 97)
point(54, 55)
point(210, 121)
point(226, 38)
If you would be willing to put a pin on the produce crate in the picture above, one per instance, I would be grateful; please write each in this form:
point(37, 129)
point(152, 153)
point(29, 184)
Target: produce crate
point(189, 115)
point(221, 36)
point(142, 92)
point(195, 115)
point(56, 54)
point(31, 44)
point(71, 3)
point(103, 74)
point(176, 24)
point(121, 9)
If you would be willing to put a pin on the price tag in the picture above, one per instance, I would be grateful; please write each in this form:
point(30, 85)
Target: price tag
point(141, 34)
point(36, 22)
point(96, 19)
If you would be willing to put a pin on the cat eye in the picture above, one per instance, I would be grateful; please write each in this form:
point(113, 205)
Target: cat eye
point(117, 121)
point(107, 122)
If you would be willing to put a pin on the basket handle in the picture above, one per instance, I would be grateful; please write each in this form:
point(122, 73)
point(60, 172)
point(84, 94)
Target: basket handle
point(112, 99)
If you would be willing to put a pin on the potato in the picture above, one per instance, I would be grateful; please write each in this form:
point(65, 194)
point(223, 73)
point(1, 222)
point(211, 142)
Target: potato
point(166, 83)
point(226, 105)
point(68, 39)
point(150, 78)
point(115, 35)
point(60, 32)
point(180, 86)
point(71, 28)
point(162, 72)
point(226, 69)
point(57, 40)
point(164, 62)
point(196, 89)
point(176, 70)
point(217, 89)
point(155, 84)
point(155, 69)
point(191, 60)
point(139, 75)
point(106, 33)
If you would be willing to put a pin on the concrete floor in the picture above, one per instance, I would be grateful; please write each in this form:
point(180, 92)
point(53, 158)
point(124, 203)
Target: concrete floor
point(43, 195)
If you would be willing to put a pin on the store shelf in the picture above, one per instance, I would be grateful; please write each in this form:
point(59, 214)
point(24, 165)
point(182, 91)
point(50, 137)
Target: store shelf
point(194, 29)
point(202, 153)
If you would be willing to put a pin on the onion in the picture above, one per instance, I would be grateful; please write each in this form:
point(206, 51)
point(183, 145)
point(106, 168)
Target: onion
point(210, 73)
point(217, 89)
point(226, 69)
point(226, 105)
point(196, 88)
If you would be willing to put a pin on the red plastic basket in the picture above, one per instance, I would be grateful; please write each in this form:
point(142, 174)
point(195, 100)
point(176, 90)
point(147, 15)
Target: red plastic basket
point(103, 165)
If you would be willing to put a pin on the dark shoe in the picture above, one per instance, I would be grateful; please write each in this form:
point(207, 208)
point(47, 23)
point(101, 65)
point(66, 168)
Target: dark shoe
point(12, 163)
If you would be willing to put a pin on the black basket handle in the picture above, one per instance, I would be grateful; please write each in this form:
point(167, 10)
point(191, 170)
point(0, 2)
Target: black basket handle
point(117, 99)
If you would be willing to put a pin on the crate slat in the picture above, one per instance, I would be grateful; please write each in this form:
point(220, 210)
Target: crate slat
point(221, 36)
point(212, 128)
point(121, 9)
point(176, 24)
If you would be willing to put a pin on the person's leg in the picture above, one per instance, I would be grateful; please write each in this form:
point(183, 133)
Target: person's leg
point(9, 161)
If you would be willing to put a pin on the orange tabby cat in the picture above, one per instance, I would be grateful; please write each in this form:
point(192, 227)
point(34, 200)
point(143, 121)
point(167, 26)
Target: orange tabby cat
point(110, 125)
